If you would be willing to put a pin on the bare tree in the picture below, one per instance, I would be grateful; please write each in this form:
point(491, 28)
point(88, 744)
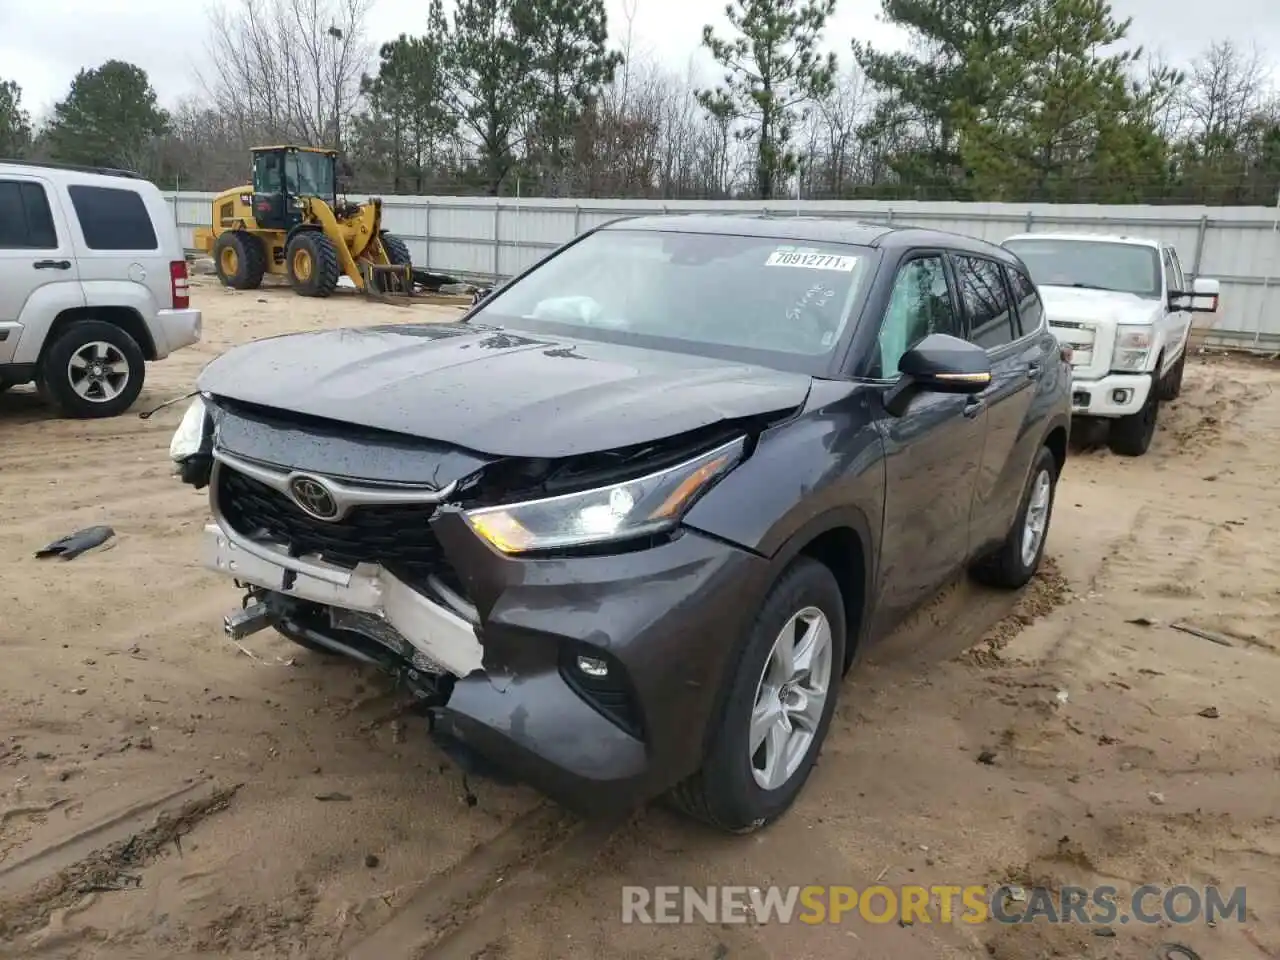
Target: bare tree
point(1227, 89)
point(288, 68)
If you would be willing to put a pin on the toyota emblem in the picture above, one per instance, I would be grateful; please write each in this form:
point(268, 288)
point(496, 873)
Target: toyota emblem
point(314, 498)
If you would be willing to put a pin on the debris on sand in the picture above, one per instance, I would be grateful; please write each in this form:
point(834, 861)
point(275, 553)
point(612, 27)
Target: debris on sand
point(74, 544)
point(1211, 635)
point(111, 868)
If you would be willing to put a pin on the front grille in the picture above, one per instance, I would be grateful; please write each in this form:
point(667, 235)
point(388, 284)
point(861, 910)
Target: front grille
point(398, 537)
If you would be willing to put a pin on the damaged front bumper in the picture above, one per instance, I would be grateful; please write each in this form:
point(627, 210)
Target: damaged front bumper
point(440, 636)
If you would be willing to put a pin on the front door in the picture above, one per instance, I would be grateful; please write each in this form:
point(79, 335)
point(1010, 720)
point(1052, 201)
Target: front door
point(269, 203)
point(37, 259)
point(932, 451)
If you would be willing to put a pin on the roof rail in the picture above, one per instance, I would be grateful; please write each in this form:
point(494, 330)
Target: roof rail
point(75, 167)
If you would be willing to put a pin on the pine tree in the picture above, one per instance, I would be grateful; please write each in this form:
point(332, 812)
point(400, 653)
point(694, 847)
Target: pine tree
point(772, 69)
point(15, 123)
point(566, 40)
point(109, 118)
point(489, 79)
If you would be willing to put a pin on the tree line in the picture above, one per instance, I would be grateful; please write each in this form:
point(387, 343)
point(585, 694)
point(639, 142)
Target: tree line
point(992, 100)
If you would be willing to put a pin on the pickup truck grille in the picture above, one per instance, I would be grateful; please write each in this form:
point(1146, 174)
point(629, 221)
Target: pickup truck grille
point(398, 538)
point(1080, 338)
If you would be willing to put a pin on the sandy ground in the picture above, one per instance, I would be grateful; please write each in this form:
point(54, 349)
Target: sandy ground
point(164, 794)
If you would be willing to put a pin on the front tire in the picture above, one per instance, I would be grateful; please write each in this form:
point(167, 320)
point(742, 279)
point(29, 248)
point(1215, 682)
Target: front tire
point(396, 249)
point(779, 705)
point(93, 370)
point(313, 264)
point(1171, 383)
point(1131, 436)
point(1018, 558)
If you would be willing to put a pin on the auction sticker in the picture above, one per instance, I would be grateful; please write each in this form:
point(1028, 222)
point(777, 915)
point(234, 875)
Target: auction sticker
point(811, 260)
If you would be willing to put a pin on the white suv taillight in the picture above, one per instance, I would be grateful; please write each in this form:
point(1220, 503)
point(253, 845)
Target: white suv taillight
point(179, 284)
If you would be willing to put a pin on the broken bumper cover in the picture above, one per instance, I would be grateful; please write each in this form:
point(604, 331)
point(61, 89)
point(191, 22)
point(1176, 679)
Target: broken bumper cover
point(439, 634)
point(668, 620)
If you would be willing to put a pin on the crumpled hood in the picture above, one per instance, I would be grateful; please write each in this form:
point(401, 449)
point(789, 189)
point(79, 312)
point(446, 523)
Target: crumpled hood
point(499, 392)
point(1075, 305)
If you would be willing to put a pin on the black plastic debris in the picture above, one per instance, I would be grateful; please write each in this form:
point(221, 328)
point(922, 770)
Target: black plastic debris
point(74, 544)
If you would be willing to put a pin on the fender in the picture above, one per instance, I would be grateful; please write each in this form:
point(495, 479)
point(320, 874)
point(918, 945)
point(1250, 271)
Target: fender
point(800, 490)
point(794, 478)
point(37, 315)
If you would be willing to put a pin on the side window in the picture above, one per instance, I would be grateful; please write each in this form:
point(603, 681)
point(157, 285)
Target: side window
point(113, 219)
point(919, 305)
point(26, 222)
point(1026, 299)
point(986, 300)
point(1173, 270)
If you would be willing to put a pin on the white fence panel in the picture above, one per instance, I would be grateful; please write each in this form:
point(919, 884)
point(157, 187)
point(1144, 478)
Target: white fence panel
point(485, 237)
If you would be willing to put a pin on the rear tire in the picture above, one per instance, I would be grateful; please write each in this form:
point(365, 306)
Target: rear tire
point(1131, 436)
point(240, 260)
point(313, 264)
point(1016, 562)
point(728, 792)
point(93, 370)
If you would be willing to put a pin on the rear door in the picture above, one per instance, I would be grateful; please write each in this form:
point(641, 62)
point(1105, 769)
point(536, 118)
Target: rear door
point(1018, 360)
point(38, 270)
point(123, 258)
point(932, 451)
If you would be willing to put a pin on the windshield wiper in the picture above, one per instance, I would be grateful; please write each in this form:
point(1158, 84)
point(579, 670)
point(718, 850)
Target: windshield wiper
point(1093, 286)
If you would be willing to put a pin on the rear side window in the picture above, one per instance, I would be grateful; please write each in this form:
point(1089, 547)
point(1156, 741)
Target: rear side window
point(1030, 309)
point(113, 219)
point(986, 300)
point(26, 223)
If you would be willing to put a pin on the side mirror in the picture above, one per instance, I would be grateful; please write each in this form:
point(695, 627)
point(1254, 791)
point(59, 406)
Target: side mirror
point(1201, 298)
point(1204, 295)
point(345, 169)
point(939, 363)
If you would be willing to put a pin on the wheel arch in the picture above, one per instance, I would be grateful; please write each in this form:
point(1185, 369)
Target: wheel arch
point(1056, 441)
point(126, 318)
point(301, 228)
point(840, 540)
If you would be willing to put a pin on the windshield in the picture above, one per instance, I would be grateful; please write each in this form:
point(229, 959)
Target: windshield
point(1093, 264)
point(786, 302)
point(309, 174)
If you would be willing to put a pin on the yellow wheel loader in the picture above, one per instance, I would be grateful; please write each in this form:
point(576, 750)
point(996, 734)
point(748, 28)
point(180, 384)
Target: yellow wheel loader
point(290, 222)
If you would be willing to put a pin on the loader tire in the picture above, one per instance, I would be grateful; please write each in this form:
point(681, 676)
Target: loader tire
point(240, 260)
point(397, 250)
point(313, 264)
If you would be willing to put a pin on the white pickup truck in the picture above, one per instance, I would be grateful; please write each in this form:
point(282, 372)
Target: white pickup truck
point(1123, 306)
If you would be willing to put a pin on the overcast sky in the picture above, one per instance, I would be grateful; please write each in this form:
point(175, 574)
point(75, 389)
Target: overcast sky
point(44, 42)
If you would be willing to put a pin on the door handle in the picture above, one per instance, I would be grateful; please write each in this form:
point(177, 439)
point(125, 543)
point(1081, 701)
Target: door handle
point(53, 264)
point(1034, 371)
point(974, 407)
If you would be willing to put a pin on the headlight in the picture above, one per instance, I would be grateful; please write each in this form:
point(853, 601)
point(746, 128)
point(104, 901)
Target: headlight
point(1132, 346)
point(616, 512)
point(189, 437)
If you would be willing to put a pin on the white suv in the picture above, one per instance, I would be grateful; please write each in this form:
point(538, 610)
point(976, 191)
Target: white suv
point(1123, 305)
point(93, 283)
